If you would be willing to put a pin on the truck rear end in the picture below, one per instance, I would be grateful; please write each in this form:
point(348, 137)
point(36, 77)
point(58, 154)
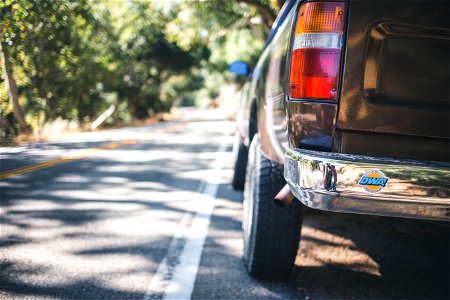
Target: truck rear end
point(369, 108)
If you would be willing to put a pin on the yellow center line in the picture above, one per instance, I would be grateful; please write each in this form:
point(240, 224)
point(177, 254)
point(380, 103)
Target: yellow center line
point(87, 153)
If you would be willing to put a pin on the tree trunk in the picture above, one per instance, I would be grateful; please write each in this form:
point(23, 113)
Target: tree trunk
point(133, 104)
point(12, 89)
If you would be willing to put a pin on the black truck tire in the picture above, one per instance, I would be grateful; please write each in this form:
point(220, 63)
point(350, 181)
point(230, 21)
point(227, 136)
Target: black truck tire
point(271, 233)
point(240, 166)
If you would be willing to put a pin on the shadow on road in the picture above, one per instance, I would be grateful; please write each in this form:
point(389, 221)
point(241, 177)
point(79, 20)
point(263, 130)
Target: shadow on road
point(109, 218)
point(360, 257)
point(340, 256)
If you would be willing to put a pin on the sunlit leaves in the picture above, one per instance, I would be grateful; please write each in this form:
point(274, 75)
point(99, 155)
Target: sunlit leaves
point(72, 59)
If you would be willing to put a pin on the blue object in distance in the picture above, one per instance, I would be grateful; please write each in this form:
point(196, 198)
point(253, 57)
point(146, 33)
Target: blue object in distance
point(240, 68)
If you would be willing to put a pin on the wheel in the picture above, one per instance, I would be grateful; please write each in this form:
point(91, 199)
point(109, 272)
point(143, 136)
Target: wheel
point(271, 233)
point(240, 151)
point(240, 166)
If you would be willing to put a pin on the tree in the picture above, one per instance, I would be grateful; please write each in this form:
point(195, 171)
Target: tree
point(57, 47)
point(12, 88)
point(148, 58)
point(73, 59)
point(11, 85)
point(265, 10)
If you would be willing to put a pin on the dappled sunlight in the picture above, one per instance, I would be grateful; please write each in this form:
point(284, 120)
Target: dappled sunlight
point(118, 212)
point(132, 155)
point(114, 213)
point(124, 168)
point(33, 203)
point(118, 224)
point(118, 248)
point(114, 180)
point(125, 266)
point(72, 178)
point(142, 225)
point(368, 257)
point(330, 249)
point(138, 122)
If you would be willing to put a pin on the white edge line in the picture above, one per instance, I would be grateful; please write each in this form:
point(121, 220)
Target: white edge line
point(177, 282)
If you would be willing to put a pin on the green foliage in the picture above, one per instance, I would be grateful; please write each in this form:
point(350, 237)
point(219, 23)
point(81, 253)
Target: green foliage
point(58, 61)
point(73, 59)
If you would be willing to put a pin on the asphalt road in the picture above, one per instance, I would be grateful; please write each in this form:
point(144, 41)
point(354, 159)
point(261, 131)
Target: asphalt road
point(148, 213)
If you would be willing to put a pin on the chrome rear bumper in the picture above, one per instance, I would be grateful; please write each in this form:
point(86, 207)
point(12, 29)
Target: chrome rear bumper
point(369, 185)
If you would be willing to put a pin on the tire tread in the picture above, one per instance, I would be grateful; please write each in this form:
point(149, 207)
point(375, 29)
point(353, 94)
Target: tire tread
point(275, 232)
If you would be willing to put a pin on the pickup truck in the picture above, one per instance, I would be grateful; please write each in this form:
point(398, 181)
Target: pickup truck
point(347, 110)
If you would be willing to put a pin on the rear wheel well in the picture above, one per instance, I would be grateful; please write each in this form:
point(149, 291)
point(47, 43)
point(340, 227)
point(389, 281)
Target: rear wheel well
point(253, 121)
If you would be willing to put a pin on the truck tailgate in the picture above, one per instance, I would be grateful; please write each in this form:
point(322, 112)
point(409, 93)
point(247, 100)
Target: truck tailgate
point(396, 72)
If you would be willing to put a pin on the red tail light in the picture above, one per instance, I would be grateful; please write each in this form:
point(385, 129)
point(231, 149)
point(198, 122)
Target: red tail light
point(316, 53)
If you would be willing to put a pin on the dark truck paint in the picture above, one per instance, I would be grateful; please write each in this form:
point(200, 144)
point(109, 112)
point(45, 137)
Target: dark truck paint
point(395, 96)
point(383, 148)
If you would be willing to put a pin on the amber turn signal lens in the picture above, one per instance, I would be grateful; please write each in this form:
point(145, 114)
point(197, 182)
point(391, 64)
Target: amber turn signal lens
point(320, 17)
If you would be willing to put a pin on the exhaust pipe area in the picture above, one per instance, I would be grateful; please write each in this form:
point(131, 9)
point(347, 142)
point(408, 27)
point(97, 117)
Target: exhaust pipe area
point(284, 197)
